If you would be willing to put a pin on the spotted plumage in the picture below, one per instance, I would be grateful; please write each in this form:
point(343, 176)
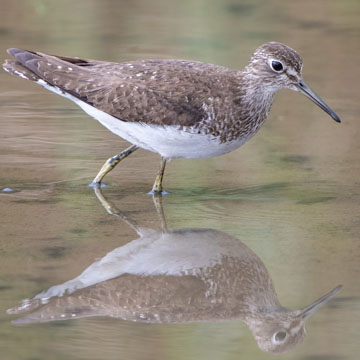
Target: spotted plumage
point(176, 108)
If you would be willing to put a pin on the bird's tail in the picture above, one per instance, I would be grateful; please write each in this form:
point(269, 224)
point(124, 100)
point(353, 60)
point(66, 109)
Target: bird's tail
point(15, 67)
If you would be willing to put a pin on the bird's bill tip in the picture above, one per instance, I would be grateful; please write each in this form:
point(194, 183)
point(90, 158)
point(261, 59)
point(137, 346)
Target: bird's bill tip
point(309, 310)
point(308, 92)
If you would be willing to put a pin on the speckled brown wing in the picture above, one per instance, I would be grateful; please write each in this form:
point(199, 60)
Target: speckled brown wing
point(149, 91)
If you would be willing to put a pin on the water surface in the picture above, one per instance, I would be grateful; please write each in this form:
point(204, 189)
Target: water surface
point(290, 195)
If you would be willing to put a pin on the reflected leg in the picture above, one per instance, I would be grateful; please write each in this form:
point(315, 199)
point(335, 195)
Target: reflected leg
point(157, 187)
point(160, 211)
point(113, 210)
point(111, 163)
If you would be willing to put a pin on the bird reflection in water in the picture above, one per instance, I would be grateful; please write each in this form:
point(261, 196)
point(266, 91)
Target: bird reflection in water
point(177, 276)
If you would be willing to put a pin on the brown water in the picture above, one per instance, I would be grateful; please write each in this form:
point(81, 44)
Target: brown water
point(291, 194)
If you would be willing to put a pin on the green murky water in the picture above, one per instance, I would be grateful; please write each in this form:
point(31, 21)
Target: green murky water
point(290, 196)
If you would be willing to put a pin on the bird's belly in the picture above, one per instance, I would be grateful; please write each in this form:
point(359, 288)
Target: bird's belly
point(169, 141)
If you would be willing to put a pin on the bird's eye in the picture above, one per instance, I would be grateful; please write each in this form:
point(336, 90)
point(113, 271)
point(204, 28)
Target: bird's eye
point(277, 65)
point(279, 337)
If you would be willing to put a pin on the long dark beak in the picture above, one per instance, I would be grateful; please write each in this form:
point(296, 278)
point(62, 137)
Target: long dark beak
point(309, 310)
point(306, 90)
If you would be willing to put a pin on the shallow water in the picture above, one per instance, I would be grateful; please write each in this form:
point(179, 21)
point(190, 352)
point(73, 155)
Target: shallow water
point(291, 195)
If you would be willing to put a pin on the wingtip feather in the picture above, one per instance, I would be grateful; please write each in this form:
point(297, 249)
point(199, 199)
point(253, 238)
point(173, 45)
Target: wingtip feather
point(14, 51)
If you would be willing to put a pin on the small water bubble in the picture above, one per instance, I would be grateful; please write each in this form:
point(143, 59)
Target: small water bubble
point(7, 190)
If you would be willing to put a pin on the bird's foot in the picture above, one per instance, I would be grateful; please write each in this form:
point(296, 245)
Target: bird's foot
point(98, 184)
point(157, 193)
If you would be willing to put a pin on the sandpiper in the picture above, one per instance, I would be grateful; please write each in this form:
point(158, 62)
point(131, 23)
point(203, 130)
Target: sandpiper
point(176, 108)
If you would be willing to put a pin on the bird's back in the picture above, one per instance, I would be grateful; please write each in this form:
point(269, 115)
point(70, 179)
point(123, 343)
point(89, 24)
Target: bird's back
point(162, 92)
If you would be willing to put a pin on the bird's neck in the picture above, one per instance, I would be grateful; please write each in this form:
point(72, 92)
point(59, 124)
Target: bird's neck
point(256, 100)
point(252, 103)
point(256, 317)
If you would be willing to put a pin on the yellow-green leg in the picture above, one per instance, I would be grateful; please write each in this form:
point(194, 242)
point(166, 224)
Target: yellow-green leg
point(157, 187)
point(111, 163)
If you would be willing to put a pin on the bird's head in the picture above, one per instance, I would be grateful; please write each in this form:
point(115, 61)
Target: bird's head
point(281, 330)
point(276, 66)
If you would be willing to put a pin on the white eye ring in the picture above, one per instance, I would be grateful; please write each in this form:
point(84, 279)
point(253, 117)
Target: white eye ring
point(276, 66)
point(279, 337)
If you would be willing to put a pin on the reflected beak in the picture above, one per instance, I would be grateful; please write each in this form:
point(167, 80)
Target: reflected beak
point(309, 310)
point(306, 90)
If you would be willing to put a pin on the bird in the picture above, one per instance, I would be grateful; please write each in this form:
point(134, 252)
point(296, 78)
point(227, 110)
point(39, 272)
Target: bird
point(175, 108)
point(172, 276)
